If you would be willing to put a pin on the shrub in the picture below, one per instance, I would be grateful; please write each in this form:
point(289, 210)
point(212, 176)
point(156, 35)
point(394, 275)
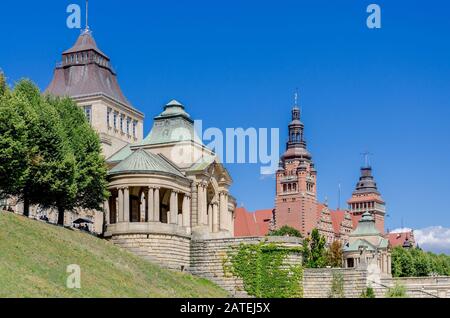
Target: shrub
point(397, 291)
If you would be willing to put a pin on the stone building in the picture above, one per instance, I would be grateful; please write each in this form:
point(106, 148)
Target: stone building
point(296, 193)
point(367, 198)
point(166, 190)
point(296, 203)
point(367, 247)
point(86, 75)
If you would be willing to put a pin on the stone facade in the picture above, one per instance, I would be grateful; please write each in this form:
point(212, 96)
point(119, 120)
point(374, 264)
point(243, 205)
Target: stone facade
point(207, 259)
point(168, 250)
point(317, 283)
point(169, 183)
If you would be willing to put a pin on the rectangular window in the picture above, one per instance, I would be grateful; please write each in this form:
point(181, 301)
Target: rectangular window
point(128, 125)
point(115, 120)
point(121, 123)
point(134, 128)
point(108, 114)
point(88, 113)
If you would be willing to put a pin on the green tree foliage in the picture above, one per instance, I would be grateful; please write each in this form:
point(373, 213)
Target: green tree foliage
point(286, 231)
point(14, 151)
point(415, 262)
point(90, 167)
point(3, 86)
point(49, 155)
point(51, 165)
point(335, 254)
point(264, 270)
point(314, 252)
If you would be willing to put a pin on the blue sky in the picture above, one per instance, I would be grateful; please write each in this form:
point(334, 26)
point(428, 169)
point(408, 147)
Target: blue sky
point(237, 64)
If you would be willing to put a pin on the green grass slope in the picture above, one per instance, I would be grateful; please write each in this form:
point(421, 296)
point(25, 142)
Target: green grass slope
point(34, 257)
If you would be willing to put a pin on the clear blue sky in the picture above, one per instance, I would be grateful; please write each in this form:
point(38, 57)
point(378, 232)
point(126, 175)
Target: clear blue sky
point(237, 64)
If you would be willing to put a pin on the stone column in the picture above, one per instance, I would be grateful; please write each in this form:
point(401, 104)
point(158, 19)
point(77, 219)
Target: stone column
point(120, 209)
point(205, 204)
point(150, 205)
point(200, 208)
point(186, 211)
point(193, 201)
point(126, 204)
point(223, 211)
point(156, 217)
point(142, 206)
point(210, 218)
point(116, 202)
point(215, 217)
point(106, 211)
point(173, 219)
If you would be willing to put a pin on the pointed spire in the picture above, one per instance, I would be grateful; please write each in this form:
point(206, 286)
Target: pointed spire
point(366, 155)
point(296, 98)
point(87, 16)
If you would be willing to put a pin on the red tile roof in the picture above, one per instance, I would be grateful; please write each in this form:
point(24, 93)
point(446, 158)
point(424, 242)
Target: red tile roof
point(397, 239)
point(252, 224)
point(337, 217)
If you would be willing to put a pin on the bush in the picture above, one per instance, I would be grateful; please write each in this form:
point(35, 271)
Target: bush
point(264, 270)
point(368, 293)
point(397, 291)
point(337, 286)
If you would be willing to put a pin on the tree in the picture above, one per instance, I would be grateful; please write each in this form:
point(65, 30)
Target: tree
point(90, 166)
point(286, 231)
point(51, 164)
point(421, 261)
point(49, 154)
point(14, 153)
point(314, 253)
point(335, 254)
point(3, 86)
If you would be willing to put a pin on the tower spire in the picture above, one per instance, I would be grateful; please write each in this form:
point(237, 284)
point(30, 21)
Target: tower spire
point(87, 15)
point(296, 98)
point(366, 155)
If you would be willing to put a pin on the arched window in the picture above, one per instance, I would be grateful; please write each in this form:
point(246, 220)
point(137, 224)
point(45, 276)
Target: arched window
point(284, 187)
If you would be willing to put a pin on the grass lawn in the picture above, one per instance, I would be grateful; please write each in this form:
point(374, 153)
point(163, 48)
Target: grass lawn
point(34, 257)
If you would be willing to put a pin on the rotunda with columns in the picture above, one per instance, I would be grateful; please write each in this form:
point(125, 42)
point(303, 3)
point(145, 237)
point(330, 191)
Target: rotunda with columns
point(167, 190)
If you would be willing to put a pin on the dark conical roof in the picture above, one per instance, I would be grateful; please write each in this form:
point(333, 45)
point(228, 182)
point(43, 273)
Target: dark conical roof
point(85, 42)
point(366, 183)
point(86, 71)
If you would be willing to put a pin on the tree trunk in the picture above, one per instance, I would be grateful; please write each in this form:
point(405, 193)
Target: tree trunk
point(61, 216)
point(26, 206)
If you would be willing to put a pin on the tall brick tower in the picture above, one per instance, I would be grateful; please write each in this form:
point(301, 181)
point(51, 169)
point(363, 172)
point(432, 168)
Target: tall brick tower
point(296, 200)
point(366, 198)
